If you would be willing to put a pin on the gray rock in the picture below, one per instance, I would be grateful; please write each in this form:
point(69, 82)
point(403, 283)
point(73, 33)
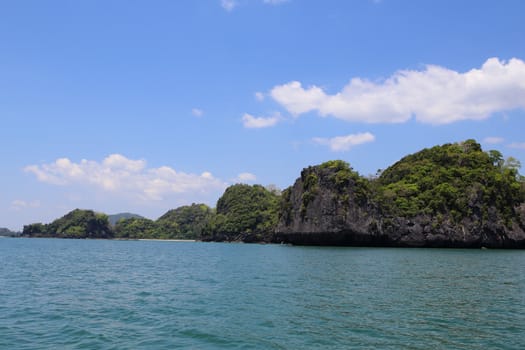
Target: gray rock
point(319, 210)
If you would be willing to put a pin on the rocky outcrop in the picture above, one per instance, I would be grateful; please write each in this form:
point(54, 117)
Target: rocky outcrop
point(332, 205)
point(471, 232)
point(329, 205)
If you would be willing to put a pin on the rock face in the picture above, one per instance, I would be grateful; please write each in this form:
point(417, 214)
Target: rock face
point(332, 205)
point(329, 205)
point(471, 232)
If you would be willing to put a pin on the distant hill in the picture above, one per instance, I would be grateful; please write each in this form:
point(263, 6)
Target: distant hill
point(185, 222)
point(244, 213)
point(113, 219)
point(75, 224)
point(7, 232)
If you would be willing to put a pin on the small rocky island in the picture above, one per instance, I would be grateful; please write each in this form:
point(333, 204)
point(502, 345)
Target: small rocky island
point(453, 195)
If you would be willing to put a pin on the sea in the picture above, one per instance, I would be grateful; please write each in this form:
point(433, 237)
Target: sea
point(104, 294)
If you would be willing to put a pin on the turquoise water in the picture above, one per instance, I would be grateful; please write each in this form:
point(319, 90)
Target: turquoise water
point(96, 294)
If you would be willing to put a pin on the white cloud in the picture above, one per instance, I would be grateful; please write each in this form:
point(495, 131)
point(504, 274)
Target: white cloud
point(345, 143)
point(251, 122)
point(435, 95)
point(118, 161)
point(197, 112)
point(228, 5)
point(298, 100)
point(119, 174)
point(19, 204)
point(517, 145)
point(259, 96)
point(246, 177)
point(493, 140)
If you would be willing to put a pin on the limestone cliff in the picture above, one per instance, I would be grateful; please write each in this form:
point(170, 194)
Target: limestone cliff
point(453, 195)
point(329, 205)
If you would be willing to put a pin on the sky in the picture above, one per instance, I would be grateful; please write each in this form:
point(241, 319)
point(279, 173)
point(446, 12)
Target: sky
point(143, 106)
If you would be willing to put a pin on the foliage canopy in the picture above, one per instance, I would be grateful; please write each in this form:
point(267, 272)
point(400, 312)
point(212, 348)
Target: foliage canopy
point(185, 222)
point(76, 224)
point(457, 179)
point(244, 210)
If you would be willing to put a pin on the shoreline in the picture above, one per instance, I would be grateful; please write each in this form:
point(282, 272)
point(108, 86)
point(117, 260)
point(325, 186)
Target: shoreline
point(167, 240)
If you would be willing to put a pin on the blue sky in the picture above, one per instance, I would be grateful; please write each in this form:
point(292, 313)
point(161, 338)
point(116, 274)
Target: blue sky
point(144, 106)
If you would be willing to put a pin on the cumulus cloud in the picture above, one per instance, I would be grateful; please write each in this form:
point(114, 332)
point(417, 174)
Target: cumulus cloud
point(345, 143)
point(493, 140)
point(118, 174)
point(251, 122)
point(197, 112)
point(246, 178)
point(228, 5)
point(434, 95)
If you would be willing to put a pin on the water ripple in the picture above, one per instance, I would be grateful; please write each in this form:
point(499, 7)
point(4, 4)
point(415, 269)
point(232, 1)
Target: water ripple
point(164, 295)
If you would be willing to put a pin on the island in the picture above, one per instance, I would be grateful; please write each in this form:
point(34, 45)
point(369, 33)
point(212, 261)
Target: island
point(5, 232)
point(454, 195)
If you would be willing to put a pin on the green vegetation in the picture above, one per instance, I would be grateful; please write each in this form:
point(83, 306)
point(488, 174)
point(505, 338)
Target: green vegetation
point(336, 175)
point(457, 180)
point(76, 224)
point(310, 188)
point(136, 228)
point(447, 183)
point(113, 219)
point(185, 222)
point(286, 206)
point(244, 212)
point(346, 180)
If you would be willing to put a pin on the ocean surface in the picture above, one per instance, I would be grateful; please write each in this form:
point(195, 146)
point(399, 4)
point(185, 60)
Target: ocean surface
point(97, 294)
